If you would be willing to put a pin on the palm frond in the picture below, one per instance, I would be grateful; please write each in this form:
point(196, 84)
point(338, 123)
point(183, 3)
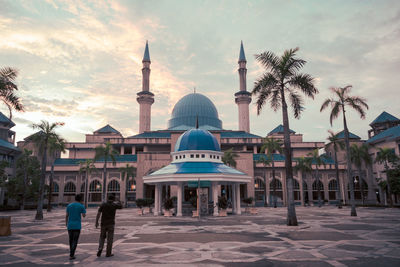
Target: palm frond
point(335, 112)
point(305, 83)
point(8, 73)
point(276, 99)
point(326, 103)
point(268, 59)
point(354, 102)
point(266, 83)
point(297, 104)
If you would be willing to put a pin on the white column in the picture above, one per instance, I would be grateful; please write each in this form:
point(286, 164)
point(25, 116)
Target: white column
point(160, 199)
point(234, 199)
point(238, 209)
point(156, 200)
point(215, 197)
point(179, 199)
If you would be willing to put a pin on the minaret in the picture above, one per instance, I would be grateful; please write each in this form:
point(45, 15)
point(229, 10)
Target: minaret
point(145, 98)
point(243, 98)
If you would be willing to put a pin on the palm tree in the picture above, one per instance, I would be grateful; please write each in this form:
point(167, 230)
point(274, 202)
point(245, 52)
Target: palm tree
point(282, 77)
point(24, 164)
point(338, 105)
point(43, 140)
point(317, 160)
point(105, 153)
point(127, 171)
point(304, 166)
point(386, 156)
point(265, 162)
point(7, 88)
point(271, 145)
point(229, 158)
point(55, 146)
point(358, 156)
point(87, 167)
point(336, 143)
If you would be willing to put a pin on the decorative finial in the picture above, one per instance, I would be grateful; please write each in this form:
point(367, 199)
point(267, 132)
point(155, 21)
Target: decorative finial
point(242, 56)
point(146, 56)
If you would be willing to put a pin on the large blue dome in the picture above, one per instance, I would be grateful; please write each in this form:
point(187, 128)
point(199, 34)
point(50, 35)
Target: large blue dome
point(197, 139)
point(194, 106)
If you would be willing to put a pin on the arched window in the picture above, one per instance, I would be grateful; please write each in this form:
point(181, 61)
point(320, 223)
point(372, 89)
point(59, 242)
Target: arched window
point(296, 189)
point(56, 189)
point(113, 186)
point(131, 185)
point(83, 188)
point(95, 191)
point(69, 187)
point(95, 186)
point(278, 190)
point(357, 188)
point(315, 187)
point(259, 189)
point(332, 187)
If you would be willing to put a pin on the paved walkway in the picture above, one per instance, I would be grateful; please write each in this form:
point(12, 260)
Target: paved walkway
point(325, 237)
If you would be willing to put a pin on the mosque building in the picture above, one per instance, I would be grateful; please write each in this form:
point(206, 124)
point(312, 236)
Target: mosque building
point(189, 152)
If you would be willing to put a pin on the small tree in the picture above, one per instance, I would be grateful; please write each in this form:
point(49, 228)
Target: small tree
point(317, 160)
point(56, 145)
point(304, 166)
point(105, 153)
point(127, 172)
point(271, 146)
point(360, 155)
point(387, 156)
point(265, 162)
point(336, 144)
point(88, 168)
point(229, 158)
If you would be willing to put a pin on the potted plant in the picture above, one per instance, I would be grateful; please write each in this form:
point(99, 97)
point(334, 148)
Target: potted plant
point(148, 203)
point(168, 205)
point(140, 203)
point(222, 205)
point(193, 201)
point(248, 202)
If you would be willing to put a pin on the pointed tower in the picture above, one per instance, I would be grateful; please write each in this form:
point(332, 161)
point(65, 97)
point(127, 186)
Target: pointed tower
point(145, 98)
point(243, 98)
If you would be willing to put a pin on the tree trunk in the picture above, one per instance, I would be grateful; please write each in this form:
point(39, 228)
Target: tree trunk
point(349, 172)
point(126, 191)
point(104, 179)
point(39, 209)
point(86, 187)
point(265, 189)
point(50, 188)
point(24, 187)
point(291, 210)
point(302, 189)
point(318, 189)
point(274, 184)
point(389, 191)
point(361, 185)
point(338, 182)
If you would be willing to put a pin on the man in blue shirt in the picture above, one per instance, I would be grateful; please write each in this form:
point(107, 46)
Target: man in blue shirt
point(73, 223)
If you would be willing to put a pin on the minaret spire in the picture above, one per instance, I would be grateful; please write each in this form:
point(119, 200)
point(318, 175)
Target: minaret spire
point(145, 98)
point(243, 98)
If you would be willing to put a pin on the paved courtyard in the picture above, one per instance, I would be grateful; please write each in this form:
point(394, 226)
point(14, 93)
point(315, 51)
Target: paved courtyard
point(325, 236)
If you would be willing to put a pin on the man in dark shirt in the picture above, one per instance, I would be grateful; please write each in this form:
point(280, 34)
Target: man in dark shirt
point(107, 211)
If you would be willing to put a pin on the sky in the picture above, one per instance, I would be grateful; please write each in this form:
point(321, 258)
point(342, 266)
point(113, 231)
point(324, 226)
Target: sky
point(80, 63)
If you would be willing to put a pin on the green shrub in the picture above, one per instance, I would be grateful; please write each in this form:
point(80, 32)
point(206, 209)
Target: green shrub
point(140, 202)
point(222, 202)
point(168, 204)
point(248, 200)
point(148, 202)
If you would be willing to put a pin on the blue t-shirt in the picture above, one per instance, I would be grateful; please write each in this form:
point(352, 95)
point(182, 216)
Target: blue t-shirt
point(74, 211)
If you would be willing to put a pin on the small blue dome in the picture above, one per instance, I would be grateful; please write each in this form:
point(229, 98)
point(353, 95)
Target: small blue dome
point(197, 139)
point(193, 106)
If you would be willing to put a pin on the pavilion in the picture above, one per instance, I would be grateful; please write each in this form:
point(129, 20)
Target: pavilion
point(197, 159)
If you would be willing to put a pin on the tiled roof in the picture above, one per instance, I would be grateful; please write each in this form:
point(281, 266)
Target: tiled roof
point(351, 135)
point(196, 167)
point(156, 134)
point(4, 119)
point(384, 117)
point(279, 129)
point(119, 158)
point(277, 157)
point(8, 145)
point(280, 157)
point(107, 129)
point(238, 134)
point(389, 134)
